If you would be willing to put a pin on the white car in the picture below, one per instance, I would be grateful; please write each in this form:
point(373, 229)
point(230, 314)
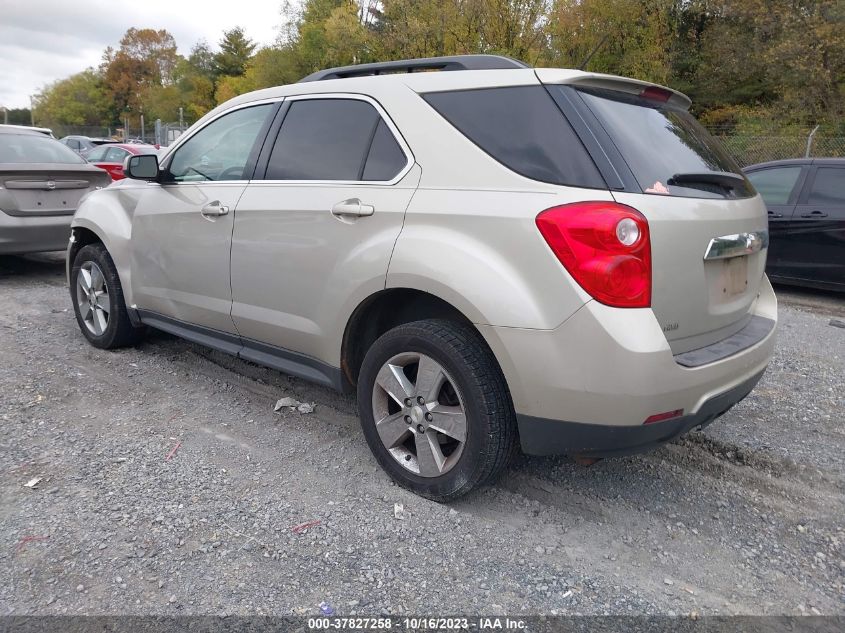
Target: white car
point(490, 255)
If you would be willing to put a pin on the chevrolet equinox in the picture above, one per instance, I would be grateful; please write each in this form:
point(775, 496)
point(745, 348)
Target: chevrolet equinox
point(492, 255)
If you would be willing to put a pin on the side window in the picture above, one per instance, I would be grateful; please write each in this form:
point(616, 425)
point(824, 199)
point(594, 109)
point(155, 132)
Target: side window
point(828, 187)
point(221, 149)
point(334, 139)
point(523, 129)
point(97, 154)
point(775, 185)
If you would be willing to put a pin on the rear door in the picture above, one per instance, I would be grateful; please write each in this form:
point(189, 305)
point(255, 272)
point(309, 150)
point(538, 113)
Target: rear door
point(780, 187)
point(314, 232)
point(665, 165)
point(818, 235)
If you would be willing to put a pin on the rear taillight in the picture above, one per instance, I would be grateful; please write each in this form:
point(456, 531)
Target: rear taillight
point(606, 248)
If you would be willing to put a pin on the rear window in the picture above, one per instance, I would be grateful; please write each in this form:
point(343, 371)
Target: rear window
point(35, 148)
point(522, 128)
point(660, 142)
point(828, 187)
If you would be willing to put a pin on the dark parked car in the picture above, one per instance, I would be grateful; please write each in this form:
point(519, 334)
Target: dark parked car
point(84, 144)
point(805, 198)
point(41, 184)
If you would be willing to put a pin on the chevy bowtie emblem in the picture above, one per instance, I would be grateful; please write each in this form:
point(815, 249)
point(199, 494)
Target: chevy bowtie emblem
point(51, 184)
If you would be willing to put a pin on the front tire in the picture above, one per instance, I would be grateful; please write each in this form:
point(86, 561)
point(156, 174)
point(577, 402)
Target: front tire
point(435, 409)
point(98, 300)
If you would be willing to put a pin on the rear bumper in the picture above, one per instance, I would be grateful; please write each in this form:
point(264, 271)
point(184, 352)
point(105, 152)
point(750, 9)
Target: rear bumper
point(539, 436)
point(20, 235)
point(589, 385)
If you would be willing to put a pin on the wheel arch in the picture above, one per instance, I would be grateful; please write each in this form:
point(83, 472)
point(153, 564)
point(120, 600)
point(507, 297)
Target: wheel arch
point(383, 311)
point(103, 218)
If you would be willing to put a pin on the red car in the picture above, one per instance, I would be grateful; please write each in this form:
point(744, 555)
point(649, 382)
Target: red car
point(110, 157)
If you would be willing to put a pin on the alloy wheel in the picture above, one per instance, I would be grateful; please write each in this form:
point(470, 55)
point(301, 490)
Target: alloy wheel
point(92, 297)
point(419, 414)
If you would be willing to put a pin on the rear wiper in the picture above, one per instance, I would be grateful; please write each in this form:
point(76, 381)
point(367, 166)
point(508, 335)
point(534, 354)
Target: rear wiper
point(726, 179)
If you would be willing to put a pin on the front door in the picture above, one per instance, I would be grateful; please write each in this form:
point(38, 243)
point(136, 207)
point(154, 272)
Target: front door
point(182, 226)
point(314, 232)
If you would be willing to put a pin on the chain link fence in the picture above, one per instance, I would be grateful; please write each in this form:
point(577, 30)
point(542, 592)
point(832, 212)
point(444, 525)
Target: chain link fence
point(156, 133)
point(750, 149)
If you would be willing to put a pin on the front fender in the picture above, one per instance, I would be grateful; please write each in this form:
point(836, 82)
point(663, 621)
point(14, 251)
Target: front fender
point(108, 214)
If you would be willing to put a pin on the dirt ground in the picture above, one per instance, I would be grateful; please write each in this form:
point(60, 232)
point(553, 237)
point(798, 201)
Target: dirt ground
point(168, 485)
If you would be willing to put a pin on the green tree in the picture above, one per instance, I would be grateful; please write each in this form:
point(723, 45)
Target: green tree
point(235, 51)
point(81, 99)
point(625, 37)
point(201, 61)
point(18, 116)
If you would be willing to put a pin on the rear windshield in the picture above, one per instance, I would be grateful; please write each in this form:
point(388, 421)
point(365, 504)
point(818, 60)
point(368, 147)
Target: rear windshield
point(522, 128)
point(35, 148)
point(660, 142)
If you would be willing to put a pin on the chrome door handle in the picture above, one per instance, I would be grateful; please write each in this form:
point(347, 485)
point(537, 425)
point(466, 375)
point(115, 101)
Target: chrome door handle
point(353, 207)
point(814, 214)
point(214, 209)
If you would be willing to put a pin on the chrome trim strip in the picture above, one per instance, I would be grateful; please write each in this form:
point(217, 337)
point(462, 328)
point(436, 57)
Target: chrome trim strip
point(737, 244)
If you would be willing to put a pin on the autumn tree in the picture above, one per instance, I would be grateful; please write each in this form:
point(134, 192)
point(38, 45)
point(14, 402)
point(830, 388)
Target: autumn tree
point(145, 60)
point(742, 61)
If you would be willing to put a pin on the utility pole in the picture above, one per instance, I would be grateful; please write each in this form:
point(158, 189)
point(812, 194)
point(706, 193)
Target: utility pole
point(31, 110)
point(181, 121)
point(5, 115)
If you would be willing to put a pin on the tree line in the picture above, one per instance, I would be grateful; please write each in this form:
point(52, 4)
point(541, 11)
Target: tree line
point(744, 63)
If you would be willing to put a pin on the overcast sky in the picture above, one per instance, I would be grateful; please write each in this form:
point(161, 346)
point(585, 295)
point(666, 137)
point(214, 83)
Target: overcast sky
point(45, 40)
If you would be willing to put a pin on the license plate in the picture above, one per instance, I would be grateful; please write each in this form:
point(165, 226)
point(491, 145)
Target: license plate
point(736, 275)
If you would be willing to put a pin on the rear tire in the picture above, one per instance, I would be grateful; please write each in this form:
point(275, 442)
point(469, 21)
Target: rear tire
point(462, 429)
point(98, 303)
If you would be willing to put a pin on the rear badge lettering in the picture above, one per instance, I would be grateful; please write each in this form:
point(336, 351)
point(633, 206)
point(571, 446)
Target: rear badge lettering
point(671, 327)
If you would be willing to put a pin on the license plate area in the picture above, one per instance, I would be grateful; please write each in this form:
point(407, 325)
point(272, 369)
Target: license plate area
point(735, 276)
point(34, 202)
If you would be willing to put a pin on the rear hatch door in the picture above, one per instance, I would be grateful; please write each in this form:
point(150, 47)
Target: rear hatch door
point(708, 226)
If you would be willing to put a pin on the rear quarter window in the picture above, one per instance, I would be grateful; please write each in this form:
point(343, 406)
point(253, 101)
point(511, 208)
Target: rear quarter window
point(828, 187)
point(523, 129)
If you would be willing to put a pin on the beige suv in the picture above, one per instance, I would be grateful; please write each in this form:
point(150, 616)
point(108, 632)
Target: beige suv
point(492, 255)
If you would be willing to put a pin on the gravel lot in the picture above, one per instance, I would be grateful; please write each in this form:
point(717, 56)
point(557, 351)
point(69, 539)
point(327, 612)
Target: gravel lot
point(745, 518)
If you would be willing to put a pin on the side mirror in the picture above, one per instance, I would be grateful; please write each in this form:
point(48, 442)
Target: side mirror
point(141, 167)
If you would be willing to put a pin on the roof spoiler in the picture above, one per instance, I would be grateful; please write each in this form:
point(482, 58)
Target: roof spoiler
point(451, 62)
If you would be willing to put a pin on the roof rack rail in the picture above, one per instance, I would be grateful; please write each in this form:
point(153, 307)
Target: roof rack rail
point(451, 62)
